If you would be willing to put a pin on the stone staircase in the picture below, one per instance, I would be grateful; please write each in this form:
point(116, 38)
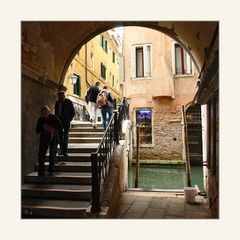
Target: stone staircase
point(66, 194)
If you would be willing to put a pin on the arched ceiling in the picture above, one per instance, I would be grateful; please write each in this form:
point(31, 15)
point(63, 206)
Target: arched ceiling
point(54, 44)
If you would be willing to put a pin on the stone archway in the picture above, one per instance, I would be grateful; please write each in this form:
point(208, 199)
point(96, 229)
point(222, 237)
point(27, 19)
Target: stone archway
point(56, 43)
point(48, 49)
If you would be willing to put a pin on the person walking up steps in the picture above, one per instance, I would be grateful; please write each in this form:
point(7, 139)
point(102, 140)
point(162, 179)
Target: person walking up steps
point(105, 103)
point(91, 99)
point(65, 111)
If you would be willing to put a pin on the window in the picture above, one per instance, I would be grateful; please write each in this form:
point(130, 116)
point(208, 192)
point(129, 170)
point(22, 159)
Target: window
point(141, 61)
point(101, 40)
point(92, 57)
point(194, 115)
point(183, 63)
point(77, 86)
point(103, 71)
point(103, 43)
point(144, 119)
point(113, 81)
point(113, 57)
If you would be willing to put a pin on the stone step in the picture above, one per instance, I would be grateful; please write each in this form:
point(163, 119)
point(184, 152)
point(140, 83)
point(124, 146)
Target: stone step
point(69, 166)
point(73, 157)
point(84, 140)
point(50, 208)
point(61, 178)
point(86, 129)
point(82, 148)
point(57, 191)
point(86, 134)
point(85, 124)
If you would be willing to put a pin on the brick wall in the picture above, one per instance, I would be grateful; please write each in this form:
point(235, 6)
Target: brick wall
point(167, 138)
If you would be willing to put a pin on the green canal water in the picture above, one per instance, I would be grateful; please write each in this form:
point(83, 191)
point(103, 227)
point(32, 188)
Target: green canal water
point(164, 177)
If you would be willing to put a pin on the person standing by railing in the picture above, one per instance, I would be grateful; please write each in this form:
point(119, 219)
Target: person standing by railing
point(91, 99)
point(105, 102)
point(65, 111)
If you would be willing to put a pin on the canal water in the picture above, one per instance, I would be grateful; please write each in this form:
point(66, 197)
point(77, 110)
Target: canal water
point(164, 176)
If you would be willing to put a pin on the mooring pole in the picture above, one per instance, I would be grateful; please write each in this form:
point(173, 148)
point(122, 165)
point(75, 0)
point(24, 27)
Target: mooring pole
point(137, 160)
point(188, 169)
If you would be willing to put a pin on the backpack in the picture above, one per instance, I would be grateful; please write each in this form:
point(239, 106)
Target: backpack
point(102, 99)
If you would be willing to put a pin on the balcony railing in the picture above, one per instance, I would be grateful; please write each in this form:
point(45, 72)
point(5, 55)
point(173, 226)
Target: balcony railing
point(81, 113)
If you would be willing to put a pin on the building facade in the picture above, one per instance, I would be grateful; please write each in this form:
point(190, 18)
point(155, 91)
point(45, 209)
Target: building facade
point(98, 60)
point(159, 78)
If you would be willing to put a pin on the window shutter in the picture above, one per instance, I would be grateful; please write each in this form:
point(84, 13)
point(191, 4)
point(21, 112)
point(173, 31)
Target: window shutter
point(189, 65)
point(173, 58)
point(147, 60)
point(79, 84)
point(133, 62)
point(121, 70)
point(105, 74)
point(178, 60)
point(106, 46)
point(76, 86)
point(101, 40)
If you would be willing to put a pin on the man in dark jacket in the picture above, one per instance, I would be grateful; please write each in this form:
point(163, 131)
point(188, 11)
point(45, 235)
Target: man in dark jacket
point(65, 111)
point(47, 125)
point(91, 99)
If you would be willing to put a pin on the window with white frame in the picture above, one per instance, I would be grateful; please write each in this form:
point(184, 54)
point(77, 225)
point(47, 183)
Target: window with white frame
point(141, 61)
point(182, 61)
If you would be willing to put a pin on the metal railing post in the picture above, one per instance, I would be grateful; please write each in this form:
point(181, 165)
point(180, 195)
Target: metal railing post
point(116, 130)
point(101, 158)
point(95, 184)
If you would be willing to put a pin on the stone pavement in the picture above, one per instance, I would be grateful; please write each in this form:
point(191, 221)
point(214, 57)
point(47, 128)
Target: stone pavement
point(161, 205)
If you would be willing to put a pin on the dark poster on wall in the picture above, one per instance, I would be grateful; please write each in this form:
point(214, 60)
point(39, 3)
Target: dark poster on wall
point(144, 120)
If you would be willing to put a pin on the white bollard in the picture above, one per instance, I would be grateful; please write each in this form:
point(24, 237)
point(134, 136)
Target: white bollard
point(190, 194)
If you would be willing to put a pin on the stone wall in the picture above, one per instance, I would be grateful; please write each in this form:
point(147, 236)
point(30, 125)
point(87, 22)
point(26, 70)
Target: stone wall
point(167, 137)
point(114, 183)
point(34, 95)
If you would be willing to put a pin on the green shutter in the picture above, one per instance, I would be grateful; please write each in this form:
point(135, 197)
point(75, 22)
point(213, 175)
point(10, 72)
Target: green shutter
point(76, 86)
point(104, 72)
point(113, 57)
point(102, 41)
point(106, 46)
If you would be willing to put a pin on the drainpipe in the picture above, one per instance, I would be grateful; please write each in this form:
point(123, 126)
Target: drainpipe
point(137, 161)
point(86, 71)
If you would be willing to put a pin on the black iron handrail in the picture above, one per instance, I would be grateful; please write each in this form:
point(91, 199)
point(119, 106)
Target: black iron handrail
point(101, 158)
